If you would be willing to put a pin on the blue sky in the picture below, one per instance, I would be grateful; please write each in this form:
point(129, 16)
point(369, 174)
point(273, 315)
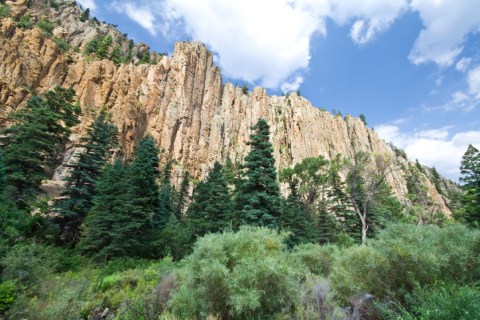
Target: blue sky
point(411, 66)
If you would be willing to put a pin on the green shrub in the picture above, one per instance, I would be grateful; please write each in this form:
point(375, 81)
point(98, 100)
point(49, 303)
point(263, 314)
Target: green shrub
point(318, 259)
point(406, 255)
point(243, 275)
point(442, 302)
point(7, 295)
point(62, 44)
point(25, 22)
point(4, 10)
point(29, 264)
point(46, 26)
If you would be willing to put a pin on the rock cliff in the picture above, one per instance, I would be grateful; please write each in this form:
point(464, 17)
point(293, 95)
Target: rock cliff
point(181, 101)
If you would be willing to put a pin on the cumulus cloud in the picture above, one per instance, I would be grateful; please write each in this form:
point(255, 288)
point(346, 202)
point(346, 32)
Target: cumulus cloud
point(473, 80)
point(90, 4)
point(433, 147)
point(368, 17)
point(258, 41)
point(446, 24)
point(463, 64)
point(142, 15)
point(268, 42)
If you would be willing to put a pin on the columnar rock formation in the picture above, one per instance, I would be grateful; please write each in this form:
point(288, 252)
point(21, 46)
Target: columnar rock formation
point(182, 102)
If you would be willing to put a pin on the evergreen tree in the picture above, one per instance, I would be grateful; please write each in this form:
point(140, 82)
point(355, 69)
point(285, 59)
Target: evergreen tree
point(166, 195)
point(340, 207)
point(181, 197)
point(143, 192)
point(116, 55)
point(436, 179)
point(211, 208)
point(298, 220)
point(101, 137)
point(258, 199)
point(470, 170)
point(36, 138)
point(104, 46)
point(106, 233)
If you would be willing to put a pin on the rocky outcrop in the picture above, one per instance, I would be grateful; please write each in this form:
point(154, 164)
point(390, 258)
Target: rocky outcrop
point(182, 102)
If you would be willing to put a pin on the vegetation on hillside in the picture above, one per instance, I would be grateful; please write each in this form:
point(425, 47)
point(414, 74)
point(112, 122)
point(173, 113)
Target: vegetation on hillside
point(123, 242)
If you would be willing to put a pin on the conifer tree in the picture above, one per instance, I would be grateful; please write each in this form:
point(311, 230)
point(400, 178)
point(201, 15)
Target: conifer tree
point(211, 208)
point(258, 200)
point(116, 55)
point(105, 235)
point(181, 197)
point(36, 138)
point(470, 170)
point(166, 206)
point(143, 192)
point(101, 137)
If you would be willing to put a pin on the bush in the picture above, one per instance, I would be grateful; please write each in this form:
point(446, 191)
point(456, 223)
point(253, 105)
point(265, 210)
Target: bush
point(442, 302)
point(243, 275)
point(29, 264)
point(7, 295)
point(25, 22)
point(62, 44)
point(318, 259)
point(4, 10)
point(46, 26)
point(404, 256)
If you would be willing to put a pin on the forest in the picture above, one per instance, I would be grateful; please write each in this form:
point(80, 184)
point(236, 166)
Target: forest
point(122, 242)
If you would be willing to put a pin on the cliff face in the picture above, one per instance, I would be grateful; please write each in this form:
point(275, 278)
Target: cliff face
point(182, 102)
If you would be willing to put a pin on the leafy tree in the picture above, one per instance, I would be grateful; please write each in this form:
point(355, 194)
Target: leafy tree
point(101, 137)
point(36, 138)
point(470, 170)
point(258, 199)
point(211, 208)
point(364, 183)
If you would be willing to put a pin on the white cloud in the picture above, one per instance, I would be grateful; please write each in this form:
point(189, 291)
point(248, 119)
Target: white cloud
point(370, 17)
point(142, 15)
point(463, 64)
point(434, 147)
point(90, 4)
point(268, 42)
point(293, 85)
point(473, 80)
point(258, 41)
point(446, 24)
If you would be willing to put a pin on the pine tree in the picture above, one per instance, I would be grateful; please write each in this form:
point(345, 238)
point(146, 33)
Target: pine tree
point(36, 138)
point(105, 235)
point(258, 200)
point(211, 208)
point(143, 192)
point(181, 197)
point(166, 195)
point(116, 55)
point(340, 207)
point(101, 137)
point(470, 170)
point(104, 46)
point(436, 179)
point(298, 220)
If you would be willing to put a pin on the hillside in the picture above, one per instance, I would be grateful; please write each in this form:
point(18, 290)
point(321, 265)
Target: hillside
point(182, 101)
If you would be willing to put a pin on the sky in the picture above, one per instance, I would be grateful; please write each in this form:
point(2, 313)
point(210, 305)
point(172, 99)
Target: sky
point(412, 67)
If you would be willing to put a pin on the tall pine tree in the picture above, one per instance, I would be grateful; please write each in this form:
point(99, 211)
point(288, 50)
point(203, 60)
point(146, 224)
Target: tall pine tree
point(258, 200)
point(105, 235)
point(470, 170)
point(101, 138)
point(211, 208)
point(35, 140)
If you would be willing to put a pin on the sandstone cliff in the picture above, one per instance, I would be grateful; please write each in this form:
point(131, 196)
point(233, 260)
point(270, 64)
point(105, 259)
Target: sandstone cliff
point(181, 101)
